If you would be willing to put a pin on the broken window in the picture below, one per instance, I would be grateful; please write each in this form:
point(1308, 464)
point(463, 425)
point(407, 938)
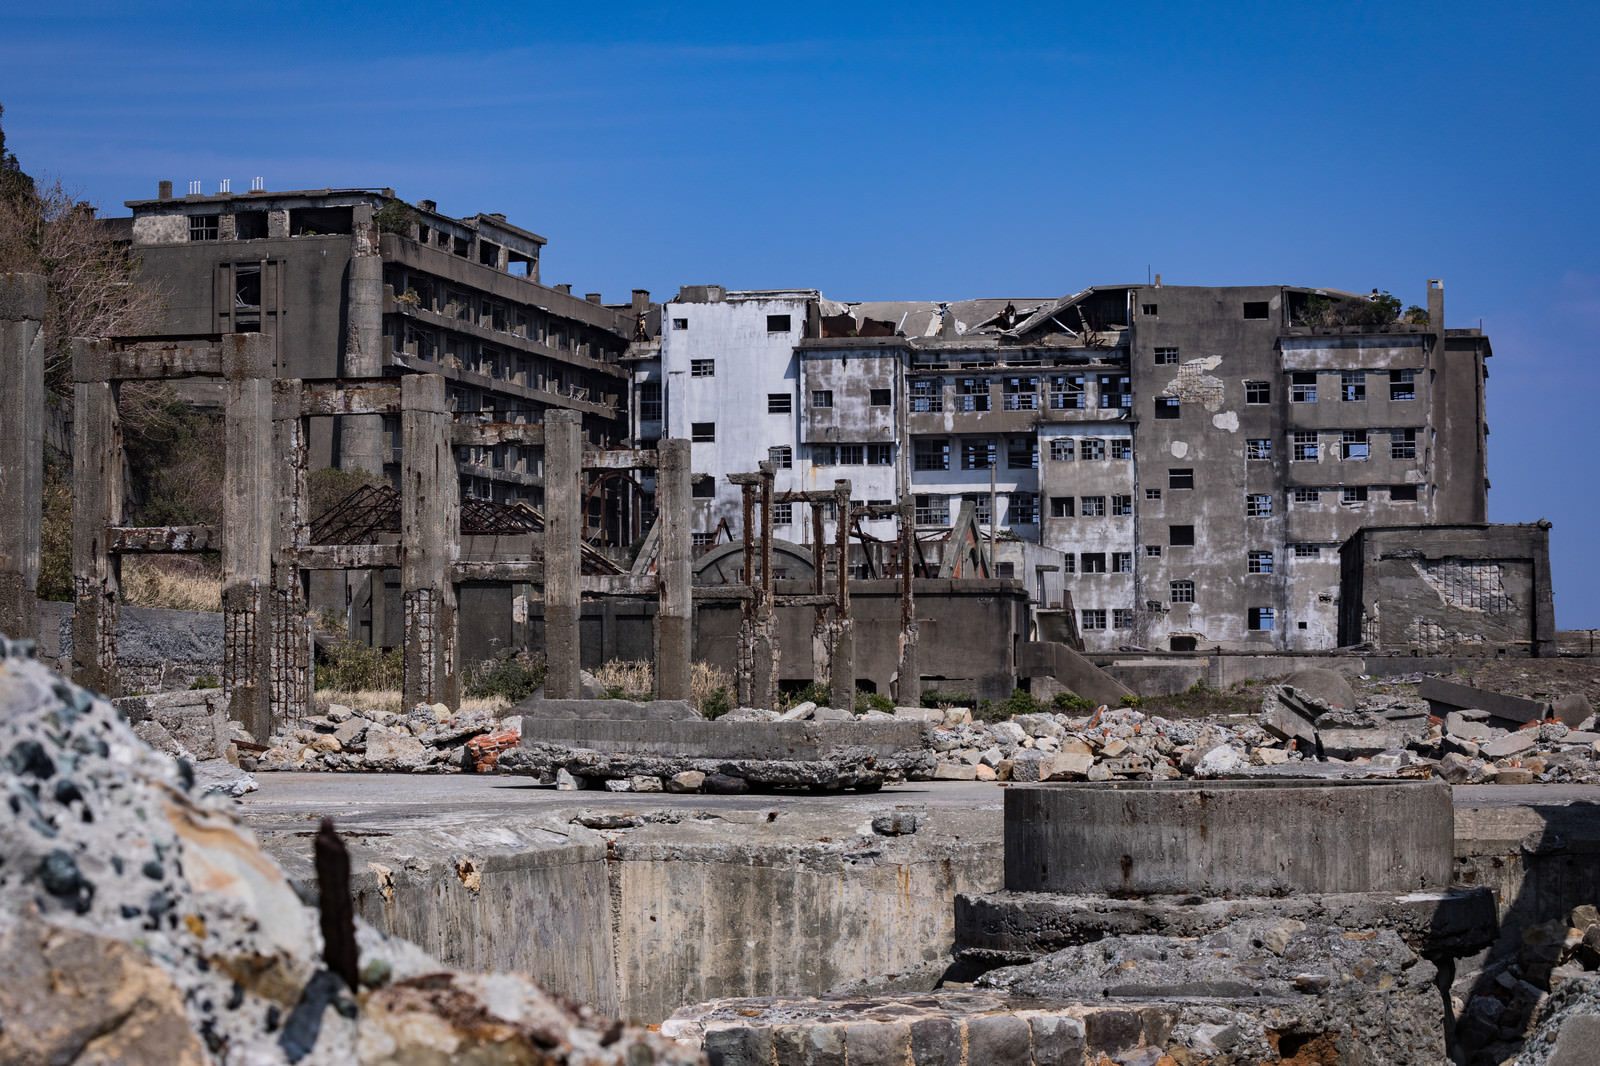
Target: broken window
point(1166, 356)
point(1402, 444)
point(1023, 509)
point(932, 511)
point(1149, 311)
point(880, 455)
point(980, 506)
point(822, 398)
point(1122, 618)
point(1353, 386)
point(1307, 496)
point(927, 395)
point(930, 453)
point(781, 456)
point(1258, 448)
point(1182, 592)
point(1121, 448)
point(1180, 536)
point(1258, 392)
point(1260, 563)
point(1121, 506)
point(1262, 619)
point(203, 227)
point(1353, 444)
point(488, 253)
point(779, 403)
point(1066, 392)
point(680, 323)
point(1092, 563)
point(1062, 506)
point(1091, 448)
point(1307, 551)
point(312, 221)
point(783, 514)
point(972, 394)
point(704, 487)
point(1019, 393)
point(852, 455)
point(1152, 494)
point(1062, 450)
point(1180, 478)
point(702, 368)
point(249, 225)
point(703, 432)
point(1152, 551)
point(1354, 495)
point(777, 323)
point(1092, 507)
point(977, 453)
point(702, 540)
point(1115, 391)
point(1069, 563)
point(1093, 618)
point(1122, 562)
point(1257, 310)
point(823, 455)
point(650, 401)
point(247, 286)
point(1167, 407)
point(1005, 570)
point(880, 397)
point(1258, 505)
point(1403, 493)
point(1022, 453)
point(1402, 384)
point(1303, 387)
point(1305, 446)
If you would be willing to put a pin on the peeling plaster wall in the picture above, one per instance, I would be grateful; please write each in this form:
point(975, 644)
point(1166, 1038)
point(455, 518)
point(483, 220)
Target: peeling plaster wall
point(851, 376)
point(1078, 535)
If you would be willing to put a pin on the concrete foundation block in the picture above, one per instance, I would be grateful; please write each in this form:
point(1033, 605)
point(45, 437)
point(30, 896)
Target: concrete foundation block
point(997, 1038)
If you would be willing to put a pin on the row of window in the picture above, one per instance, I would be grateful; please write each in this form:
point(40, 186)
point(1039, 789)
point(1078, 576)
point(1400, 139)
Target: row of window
point(1019, 393)
point(1303, 385)
point(1090, 506)
point(775, 324)
point(1259, 619)
point(852, 455)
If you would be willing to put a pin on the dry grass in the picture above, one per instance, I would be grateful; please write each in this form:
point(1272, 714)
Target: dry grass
point(633, 679)
point(176, 583)
point(390, 699)
point(704, 681)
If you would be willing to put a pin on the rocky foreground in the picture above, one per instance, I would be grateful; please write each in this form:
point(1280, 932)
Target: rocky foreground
point(140, 923)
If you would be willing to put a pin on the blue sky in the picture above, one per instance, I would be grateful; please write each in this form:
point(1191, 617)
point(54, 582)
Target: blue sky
point(921, 152)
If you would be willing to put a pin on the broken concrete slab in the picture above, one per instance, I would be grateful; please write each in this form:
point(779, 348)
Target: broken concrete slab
point(1446, 696)
point(1572, 710)
point(606, 710)
point(1048, 659)
point(1510, 744)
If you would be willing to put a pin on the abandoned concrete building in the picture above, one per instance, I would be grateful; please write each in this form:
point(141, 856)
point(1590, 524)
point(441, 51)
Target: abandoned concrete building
point(1176, 465)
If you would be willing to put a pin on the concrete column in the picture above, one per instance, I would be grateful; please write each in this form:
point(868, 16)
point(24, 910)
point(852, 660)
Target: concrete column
point(563, 531)
point(249, 524)
point(747, 606)
point(674, 574)
point(22, 304)
point(842, 675)
point(908, 691)
point(96, 506)
point(287, 669)
point(821, 642)
point(361, 443)
point(430, 524)
point(764, 650)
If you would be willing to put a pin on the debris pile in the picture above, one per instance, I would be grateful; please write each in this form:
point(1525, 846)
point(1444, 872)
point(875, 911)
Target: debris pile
point(141, 923)
point(1552, 971)
point(427, 740)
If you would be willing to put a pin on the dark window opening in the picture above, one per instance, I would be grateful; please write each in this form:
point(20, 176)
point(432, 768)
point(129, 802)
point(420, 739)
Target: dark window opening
point(650, 401)
point(779, 403)
point(314, 221)
point(703, 432)
point(1184, 643)
point(488, 254)
point(1166, 407)
point(704, 488)
point(1180, 536)
point(1180, 478)
point(1148, 310)
point(880, 397)
point(247, 286)
point(249, 225)
point(777, 323)
point(1256, 310)
point(1403, 493)
point(203, 227)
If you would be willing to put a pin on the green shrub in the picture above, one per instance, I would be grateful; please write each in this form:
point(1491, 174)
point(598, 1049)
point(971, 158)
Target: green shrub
point(1071, 703)
point(814, 692)
point(934, 698)
point(1019, 702)
point(513, 678)
point(205, 681)
point(717, 703)
point(873, 701)
point(350, 666)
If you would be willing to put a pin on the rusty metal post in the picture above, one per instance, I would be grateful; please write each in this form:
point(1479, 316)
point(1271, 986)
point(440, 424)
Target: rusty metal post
point(287, 669)
point(842, 679)
point(908, 690)
point(563, 517)
point(674, 571)
point(430, 522)
point(22, 306)
point(96, 506)
point(248, 528)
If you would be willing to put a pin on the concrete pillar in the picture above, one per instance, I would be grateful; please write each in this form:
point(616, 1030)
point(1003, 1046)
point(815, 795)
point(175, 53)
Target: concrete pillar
point(842, 675)
point(908, 690)
point(22, 304)
point(674, 574)
point(747, 606)
point(563, 531)
point(430, 523)
point(287, 670)
point(361, 442)
point(96, 506)
point(821, 642)
point(764, 649)
point(249, 524)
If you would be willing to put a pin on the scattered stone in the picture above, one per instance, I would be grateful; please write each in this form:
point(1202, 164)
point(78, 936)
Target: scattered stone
point(687, 781)
point(726, 785)
point(896, 823)
point(566, 782)
point(643, 783)
point(1510, 744)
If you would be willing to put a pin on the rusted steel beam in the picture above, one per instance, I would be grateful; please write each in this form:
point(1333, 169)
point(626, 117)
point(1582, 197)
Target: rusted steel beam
point(346, 556)
point(489, 433)
point(347, 398)
point(130, 539)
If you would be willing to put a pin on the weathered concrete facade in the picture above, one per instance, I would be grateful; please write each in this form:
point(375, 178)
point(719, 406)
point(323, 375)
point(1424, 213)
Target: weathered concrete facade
point(1449, 590)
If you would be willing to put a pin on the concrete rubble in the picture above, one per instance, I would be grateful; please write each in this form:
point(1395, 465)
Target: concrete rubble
point(427, 739)
point(141, 923)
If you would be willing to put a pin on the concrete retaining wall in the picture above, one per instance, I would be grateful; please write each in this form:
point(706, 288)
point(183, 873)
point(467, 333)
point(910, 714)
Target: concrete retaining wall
point(157, 649)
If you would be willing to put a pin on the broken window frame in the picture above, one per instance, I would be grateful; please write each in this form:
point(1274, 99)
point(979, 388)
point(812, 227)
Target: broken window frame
point(1261, 619)
point(1022, 453)
point(1122, 618)
point(1354, 446)
point(1115, 387)
point(1091, 449)
point(1121, 505)
point(930, 513)
point(1152, 551)
point(703, 432)
point(1180, 592)
point(930, 453)
point(1258, 392)
point(1067, 392)
point(1092, 563)
point(927, 395)
point(1022, 509)
point(880, 454)
point(1402, 444)
point(1402, 385)
point(702, 368)
point(1167, 356)
point(1304, 446)
point(1307, 551)
point(1063, 507)
point(1121, 448)
point(1063, 450)
point(1303, 386)
point(781, 456)
point(1308, 497)
point(824, 455)
point(980, 506)
point(1258, 562)
point(972, 394)
point(1403, 494)
point(1258, 505)
point(680, 323)
point(204, 227)
point(978, 453)
point(1122, 562)
point(780, 403)
point(1180, 478)
point(1168, 407)
point(1353, 496)
point(1019, 393)
point(1092, 618)
point(1258, 449)
point(1091, 507)
point(1353, 386)
point(821, 399)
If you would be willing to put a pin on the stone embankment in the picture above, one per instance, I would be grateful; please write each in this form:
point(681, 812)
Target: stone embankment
point(140, 923)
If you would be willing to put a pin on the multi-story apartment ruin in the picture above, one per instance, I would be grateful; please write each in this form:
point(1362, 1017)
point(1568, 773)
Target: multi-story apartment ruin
point(1187, 459)
point(357, 283)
